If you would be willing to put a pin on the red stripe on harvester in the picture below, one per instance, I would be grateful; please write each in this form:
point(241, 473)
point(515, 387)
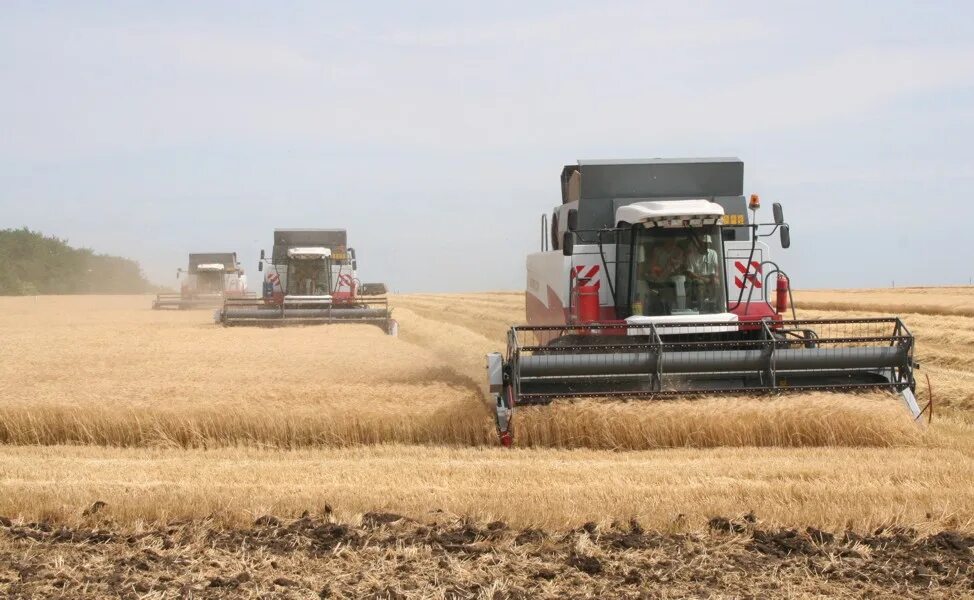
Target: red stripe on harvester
point(755, 266)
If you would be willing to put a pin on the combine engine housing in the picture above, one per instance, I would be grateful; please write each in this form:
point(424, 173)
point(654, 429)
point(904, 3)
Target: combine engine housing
point(652, 282)
point(311, 278)
point(209, 279)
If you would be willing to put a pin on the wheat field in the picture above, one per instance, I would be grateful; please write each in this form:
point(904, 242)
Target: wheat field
point(166, 415)
point(956, 300)
point(107, 372)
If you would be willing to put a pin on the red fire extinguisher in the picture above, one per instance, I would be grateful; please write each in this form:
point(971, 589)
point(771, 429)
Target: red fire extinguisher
point(586, 302)
point(781, 294)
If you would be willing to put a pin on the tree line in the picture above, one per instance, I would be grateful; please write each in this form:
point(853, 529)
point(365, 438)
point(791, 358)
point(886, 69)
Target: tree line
point(32, 263)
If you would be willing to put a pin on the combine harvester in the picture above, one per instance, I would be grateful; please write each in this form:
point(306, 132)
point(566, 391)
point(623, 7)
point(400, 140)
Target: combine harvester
point(210, 278)
point(311, 279)
point(652, 281)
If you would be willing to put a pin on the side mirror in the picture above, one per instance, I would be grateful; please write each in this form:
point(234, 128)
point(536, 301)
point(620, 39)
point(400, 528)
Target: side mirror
point(779, 215)
point(572, 219)
point(785, 237)
point(554, 231)
point(260, 265)
point(568, 244)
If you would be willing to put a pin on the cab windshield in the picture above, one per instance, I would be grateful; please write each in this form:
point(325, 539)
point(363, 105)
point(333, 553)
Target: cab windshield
point(308, 277)
point(678, 271)
point(209, 282)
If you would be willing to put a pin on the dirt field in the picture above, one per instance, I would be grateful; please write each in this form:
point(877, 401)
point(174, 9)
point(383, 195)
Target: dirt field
point(188, 433)
point(386, 556)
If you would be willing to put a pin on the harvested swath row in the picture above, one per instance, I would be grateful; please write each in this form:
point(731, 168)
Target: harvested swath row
point(461, 309)
point(878, 308)
point(506, 299)
point(958, 301)
point(460, 347)
point(492, 320)
point(506, 306)
point(829, 488)
point(466, 304)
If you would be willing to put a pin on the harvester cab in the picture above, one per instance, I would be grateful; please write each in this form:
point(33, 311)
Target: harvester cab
point(311, 278)
point(209, 278)
point(306, 275)
point(652, 280)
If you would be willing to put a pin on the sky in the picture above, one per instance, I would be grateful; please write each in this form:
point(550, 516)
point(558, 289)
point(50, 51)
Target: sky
point(435, 132)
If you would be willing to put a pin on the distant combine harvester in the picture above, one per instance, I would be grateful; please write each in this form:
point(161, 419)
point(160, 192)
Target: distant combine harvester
point(209, 280)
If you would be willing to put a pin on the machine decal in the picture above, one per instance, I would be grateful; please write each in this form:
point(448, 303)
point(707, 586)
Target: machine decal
point(589, 274)
point(552, 313)
point(586, 272)
point(752, 277)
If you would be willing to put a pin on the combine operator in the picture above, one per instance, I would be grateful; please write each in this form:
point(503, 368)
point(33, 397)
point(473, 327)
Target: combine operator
point(702, 274)
point(666, 260)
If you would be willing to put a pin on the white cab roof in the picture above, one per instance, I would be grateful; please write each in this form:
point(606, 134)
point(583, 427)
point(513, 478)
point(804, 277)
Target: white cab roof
point(309, 252)
point(639, 212)
point(210, 267)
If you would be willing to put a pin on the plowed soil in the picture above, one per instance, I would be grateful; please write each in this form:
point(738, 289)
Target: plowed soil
point(388, 556)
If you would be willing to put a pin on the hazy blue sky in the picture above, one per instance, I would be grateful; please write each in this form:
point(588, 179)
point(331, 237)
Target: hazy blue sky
point(435, 131)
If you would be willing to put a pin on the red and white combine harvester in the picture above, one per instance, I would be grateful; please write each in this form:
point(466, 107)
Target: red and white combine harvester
point(311, 279)
point(653, 281)
point(210, 278)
